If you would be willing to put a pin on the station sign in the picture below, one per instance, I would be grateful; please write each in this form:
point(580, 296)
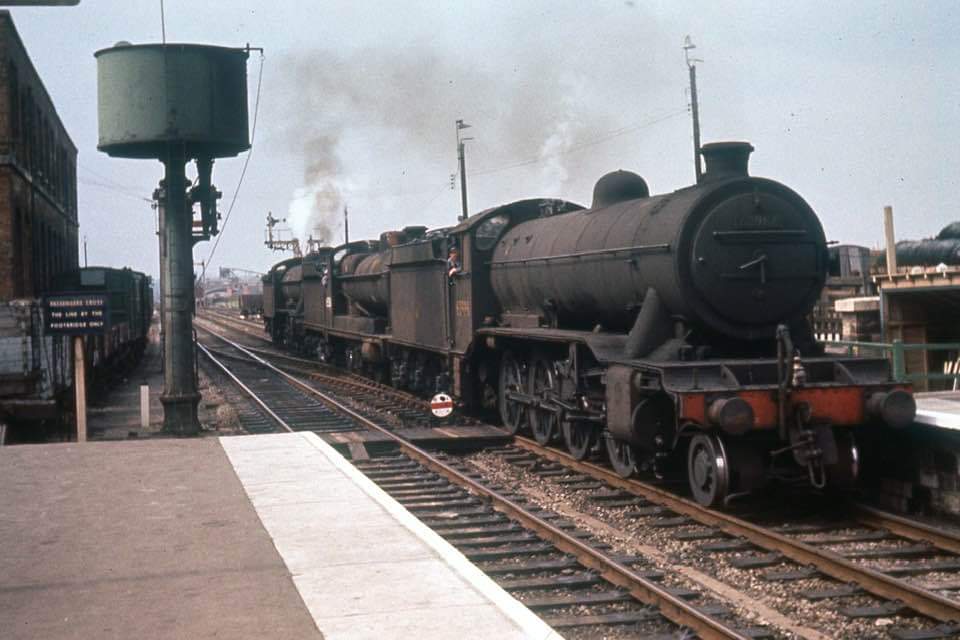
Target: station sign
point(75, 314)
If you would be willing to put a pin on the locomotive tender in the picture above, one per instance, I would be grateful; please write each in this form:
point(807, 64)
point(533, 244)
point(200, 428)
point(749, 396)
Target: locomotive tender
point(670, 330)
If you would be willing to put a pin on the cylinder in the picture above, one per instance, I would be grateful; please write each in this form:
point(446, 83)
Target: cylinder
point(153, 95)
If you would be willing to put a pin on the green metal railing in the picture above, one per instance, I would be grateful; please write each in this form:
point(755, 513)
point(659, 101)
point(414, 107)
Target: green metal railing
point(896, 351)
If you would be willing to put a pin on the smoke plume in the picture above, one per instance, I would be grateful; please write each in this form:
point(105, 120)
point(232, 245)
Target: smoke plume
point(378, 123)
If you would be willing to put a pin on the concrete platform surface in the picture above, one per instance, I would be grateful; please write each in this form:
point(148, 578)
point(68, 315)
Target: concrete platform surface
point(148, 539)
point(243, 537)
point(364, 566)
point(117, 416)
point(939, 409)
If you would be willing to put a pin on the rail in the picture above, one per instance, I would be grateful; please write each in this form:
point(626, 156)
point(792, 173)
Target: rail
point(671, 606)
point(827, 562)
point(897, 351)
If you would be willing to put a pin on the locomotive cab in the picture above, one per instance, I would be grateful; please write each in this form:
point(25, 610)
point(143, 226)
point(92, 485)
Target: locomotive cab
point(278, 284)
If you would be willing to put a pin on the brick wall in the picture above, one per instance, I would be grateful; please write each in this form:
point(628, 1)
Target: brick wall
point(38, 184)
point(921, 472)
point(8, 274)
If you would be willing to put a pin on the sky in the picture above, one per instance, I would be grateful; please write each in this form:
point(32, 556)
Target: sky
point(854, 105)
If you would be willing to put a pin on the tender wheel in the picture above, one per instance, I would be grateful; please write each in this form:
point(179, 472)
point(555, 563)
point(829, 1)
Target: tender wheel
point(708, 470)
point(544, 384)
point(580, 438)
point(621, 457)
point(512, 379)
point(844, 474)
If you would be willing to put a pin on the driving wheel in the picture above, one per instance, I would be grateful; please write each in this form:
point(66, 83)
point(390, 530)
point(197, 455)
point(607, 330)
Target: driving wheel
point(512, 380)
point(844, 473)
point(544, 385)
point(708, 470)
point(622, 459)
point(579, 437)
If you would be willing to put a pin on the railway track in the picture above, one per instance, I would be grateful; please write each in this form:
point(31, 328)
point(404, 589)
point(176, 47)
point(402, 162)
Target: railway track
point(251, 327)
point(276, 405)
point(528, 550)
point(402, 412)
point(867, 565)
point(331, 378)
point(863, 552)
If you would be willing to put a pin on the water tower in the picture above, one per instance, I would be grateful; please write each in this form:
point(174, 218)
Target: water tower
point(176, 103)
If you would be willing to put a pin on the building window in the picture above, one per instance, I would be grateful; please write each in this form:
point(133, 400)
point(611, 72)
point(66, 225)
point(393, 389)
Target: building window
point(35, 140)
point(36, 232)
point(18, 253)
point(14, 85)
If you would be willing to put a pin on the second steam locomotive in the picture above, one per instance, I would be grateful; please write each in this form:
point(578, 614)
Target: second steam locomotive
point(669, 330)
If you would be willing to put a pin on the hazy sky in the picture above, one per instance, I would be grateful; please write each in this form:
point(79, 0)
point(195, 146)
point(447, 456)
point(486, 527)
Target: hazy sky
point(853, 104)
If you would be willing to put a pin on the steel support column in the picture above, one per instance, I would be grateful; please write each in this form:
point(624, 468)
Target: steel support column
point(180, 397)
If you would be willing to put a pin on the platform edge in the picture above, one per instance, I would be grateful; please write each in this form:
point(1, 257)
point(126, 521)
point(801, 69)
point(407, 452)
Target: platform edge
point(526, 620)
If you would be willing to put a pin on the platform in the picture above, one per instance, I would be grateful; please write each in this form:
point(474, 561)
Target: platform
point(939, 409)
point(272, 536)
point(117, 416)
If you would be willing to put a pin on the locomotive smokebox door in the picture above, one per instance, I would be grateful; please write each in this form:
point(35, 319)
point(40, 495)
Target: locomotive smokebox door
point(754, 259)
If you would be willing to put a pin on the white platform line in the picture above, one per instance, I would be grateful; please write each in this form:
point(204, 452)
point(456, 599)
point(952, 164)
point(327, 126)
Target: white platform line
point(938, 419)
point(526, 621)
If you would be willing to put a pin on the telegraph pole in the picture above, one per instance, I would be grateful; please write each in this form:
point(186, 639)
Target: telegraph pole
point(463, 168)
point(346, 226)
point(694, 106)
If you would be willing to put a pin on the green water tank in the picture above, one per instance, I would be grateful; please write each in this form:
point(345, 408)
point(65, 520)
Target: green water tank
point(151, 96)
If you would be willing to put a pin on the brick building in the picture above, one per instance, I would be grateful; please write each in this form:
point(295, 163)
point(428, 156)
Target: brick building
point(38, 177)
point(38, 239)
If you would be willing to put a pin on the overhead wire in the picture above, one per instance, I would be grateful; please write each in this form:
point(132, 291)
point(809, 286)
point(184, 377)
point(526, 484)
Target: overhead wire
point(610, 135)
point(118, 190)
point(243, 172)
point(108, 183)
point(583, 145)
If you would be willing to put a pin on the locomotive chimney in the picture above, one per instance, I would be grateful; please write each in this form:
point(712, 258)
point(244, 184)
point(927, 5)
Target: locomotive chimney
point(726, 160)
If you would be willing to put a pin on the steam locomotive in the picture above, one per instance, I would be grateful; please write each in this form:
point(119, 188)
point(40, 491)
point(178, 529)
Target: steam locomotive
point(669, 330)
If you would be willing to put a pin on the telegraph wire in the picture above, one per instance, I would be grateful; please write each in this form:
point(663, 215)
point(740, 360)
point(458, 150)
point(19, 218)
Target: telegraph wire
point(610, 135)
point(108, 182)
point(118, 190)
point(243, 172)
point(616, 133)
point(583, 145)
